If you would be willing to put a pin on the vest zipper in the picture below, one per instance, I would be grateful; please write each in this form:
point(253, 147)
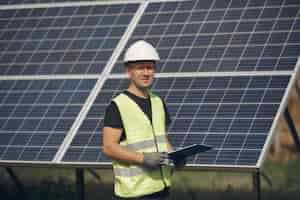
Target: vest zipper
point(160, 167)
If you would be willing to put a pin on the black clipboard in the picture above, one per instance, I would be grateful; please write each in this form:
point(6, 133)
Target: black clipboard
point(188, 151)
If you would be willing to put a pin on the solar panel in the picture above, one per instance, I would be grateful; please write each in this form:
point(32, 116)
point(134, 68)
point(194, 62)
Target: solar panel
point(254, 42)
point(61, 40)
point(233, 114)
point(35, 116)
point(216, 36)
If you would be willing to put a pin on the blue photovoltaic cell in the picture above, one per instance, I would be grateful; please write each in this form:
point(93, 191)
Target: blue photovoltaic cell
point(35, 116)
point(204, 36)
point(233, 114)
point(61, 40)
point(10, 2)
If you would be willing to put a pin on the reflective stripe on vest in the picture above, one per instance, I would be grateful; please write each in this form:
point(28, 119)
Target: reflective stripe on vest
point(129, 172)
point(133, 180)
point(146, 144)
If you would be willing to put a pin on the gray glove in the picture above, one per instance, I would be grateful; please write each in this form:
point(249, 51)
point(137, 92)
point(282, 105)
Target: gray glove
point(153, 159)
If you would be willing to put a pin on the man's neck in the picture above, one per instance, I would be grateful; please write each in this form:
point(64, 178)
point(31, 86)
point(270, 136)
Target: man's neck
point(143, 93)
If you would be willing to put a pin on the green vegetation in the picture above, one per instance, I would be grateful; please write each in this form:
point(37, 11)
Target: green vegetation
point(58, 184)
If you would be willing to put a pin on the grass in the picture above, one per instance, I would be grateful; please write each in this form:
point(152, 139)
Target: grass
point(58, 184)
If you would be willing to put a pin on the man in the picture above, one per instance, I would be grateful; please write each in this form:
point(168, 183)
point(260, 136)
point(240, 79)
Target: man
point(134, 133)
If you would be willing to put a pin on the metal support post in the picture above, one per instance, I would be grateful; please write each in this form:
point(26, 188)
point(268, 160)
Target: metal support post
point(17, 182)
point(292, 128)
point(80, 184)
point(256, 184)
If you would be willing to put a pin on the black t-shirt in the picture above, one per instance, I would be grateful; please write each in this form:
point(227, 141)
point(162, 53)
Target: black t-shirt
point(113, 118)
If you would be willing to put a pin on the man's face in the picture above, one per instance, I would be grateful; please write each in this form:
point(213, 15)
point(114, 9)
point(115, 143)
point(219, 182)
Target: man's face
point(141, 74)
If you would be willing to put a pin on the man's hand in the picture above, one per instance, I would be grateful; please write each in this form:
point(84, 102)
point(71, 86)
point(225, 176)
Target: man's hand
point(153, 159)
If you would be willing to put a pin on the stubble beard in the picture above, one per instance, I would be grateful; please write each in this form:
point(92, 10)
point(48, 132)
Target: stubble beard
point(141, 87)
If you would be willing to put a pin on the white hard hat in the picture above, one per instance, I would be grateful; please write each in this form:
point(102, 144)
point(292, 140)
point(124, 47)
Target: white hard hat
point(140, 51)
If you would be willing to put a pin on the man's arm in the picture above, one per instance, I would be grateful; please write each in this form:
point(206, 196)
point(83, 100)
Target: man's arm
point(112, 148)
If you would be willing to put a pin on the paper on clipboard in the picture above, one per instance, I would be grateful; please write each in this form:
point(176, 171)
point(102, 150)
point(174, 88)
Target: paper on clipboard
point(188, 151)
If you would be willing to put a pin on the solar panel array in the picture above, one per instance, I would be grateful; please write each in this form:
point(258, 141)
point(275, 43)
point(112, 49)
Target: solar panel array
point(255, 42)
point(61, 40)
point(37, 114)
point(233, 114)
point(205, 36)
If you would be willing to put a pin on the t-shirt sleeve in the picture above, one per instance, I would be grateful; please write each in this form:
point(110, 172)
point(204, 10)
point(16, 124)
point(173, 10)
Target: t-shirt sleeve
point(112, 117)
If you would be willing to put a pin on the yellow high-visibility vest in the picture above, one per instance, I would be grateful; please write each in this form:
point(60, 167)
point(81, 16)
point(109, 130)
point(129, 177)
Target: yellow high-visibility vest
point(133, 180)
